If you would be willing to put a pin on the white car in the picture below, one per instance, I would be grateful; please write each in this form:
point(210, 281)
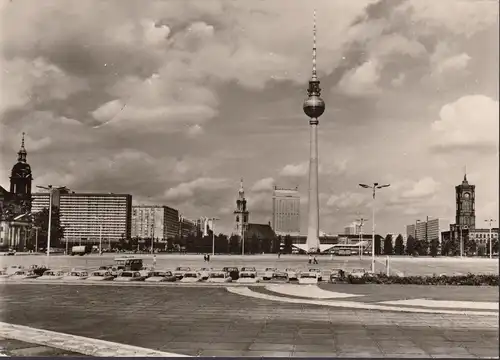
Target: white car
point(248, 278)
point(13, 268)
point(4, 274)
point(180, 271)
point(269, 273)
point(24, 274)
point(190, 277)
point(160, 276)
point(318, 271)
point(204, 273)
point(219, 277)
point(75, 275)
point(100, 275)
point(308, 277)
point(130, 276)
point(357, 273)
point(52, 275)
point(292, 274)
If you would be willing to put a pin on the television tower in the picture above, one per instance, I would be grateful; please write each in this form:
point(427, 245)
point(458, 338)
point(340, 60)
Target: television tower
point(313, 107)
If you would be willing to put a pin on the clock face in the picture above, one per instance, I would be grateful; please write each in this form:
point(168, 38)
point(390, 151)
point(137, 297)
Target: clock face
point(466, 195)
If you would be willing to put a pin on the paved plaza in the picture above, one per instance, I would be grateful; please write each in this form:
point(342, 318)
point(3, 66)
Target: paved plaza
point(210, 321)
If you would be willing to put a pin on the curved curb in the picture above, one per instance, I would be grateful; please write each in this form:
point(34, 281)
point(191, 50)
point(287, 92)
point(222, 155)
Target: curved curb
point(355, 305)
point(77, 344)
point(308, 291)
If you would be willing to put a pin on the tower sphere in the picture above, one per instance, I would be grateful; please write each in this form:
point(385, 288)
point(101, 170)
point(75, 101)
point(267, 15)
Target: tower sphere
point(314, 107)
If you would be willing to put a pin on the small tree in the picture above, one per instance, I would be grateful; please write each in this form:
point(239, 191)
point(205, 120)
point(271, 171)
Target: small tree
point(288, 244)
point(399, 246)
point(434, 247)
point(41, 220)
point(410, 245)
point(388, 245)
point(421, 247)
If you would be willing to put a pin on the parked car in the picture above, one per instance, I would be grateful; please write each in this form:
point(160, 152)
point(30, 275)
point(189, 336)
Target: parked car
point(318, 271)
point(13, 268)
point(190, 277)
point(4, 274)
point(249, 270)
point(24, 274)
point(308, 277)
point(130, 276)
point(116, 270)
point(76, 275)
point(269, 273)
point(180, 271)
point(248, 277)
point(335, 274)
point(219, 277)
point(204, 273)
point(357, 273)
point(280, 275)
point(160, 276)
point(233, 271)
point(292, 274)
point(100, 275)
point(52, 275)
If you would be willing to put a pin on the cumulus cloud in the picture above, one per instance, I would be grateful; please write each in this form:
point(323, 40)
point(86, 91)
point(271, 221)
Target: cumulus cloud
point(347, 200)
point(470, 122)
point(198, 187)
point(363, 80)
point(104, 97)
point(423, 188)
point(295, 170)
point(265, 184)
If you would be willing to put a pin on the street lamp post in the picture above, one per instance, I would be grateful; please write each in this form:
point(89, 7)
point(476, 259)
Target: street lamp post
point(51, 190)
point(374, 189)
point(491, 239)
point(213, 234)
point(36, 238)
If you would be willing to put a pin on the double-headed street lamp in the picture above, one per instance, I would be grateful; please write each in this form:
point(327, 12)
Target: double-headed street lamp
point(374, 189)
point(213, 220)
point(491, 239)
point(51, 190)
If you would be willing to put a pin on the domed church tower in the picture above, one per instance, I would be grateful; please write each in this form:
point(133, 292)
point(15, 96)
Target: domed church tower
point(20, 181)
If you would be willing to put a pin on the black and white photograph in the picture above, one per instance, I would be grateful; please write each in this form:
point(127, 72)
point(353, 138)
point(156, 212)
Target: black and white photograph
point(249, 178)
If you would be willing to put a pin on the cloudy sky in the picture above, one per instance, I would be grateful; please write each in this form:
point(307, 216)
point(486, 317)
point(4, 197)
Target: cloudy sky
point(175, 101)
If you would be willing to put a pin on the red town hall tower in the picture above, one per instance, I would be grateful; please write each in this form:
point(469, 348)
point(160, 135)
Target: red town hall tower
point(466, 213)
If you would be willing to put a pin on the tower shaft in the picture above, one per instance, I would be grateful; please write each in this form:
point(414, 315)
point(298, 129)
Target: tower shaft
point(313, 213)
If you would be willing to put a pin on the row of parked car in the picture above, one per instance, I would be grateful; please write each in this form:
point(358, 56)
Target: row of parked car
point(181, 273)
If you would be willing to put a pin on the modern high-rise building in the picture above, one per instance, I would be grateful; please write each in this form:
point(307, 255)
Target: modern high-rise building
point(286, 211)
point(157, 221)
point(87, 217)
point(424, 230)
point(353, 229)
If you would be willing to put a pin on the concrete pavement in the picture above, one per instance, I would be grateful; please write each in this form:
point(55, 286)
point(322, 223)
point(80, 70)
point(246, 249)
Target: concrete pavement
point(210, 321)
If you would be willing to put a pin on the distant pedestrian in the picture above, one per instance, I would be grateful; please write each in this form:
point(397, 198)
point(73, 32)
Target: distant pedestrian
point(315, 260)
point(208, 257)
point(154, 260)
point(279, 254)
point(205, 257)
point(310, 259)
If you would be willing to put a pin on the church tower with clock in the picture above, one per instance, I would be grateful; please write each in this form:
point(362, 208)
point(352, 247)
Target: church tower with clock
point(20, 181)
point(465, 198)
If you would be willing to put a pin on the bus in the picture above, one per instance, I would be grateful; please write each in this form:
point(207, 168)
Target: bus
point(129, 263)
point(349, 249)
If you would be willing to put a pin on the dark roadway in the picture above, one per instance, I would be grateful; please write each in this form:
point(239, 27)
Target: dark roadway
point(211, 321)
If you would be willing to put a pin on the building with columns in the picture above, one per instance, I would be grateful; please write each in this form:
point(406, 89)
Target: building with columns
point(15, 205)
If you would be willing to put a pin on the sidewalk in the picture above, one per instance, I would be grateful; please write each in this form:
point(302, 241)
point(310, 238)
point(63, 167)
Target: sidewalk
point(16, 348)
